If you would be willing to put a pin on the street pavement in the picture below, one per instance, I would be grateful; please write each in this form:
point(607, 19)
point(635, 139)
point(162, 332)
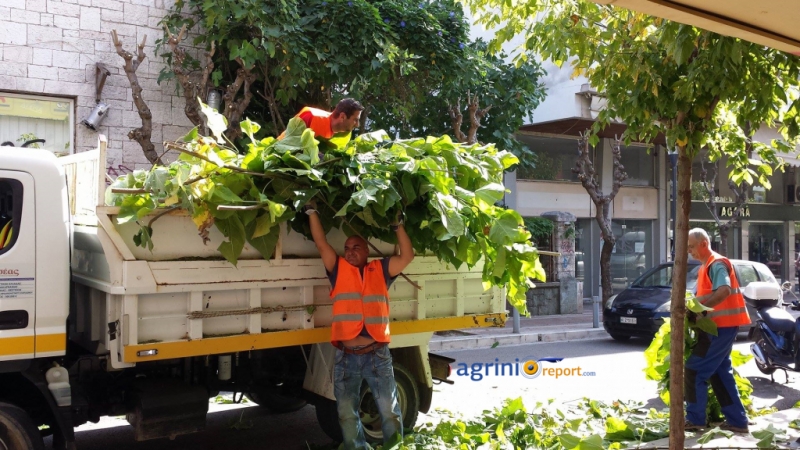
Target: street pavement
point(576, 327)
point(554, 328)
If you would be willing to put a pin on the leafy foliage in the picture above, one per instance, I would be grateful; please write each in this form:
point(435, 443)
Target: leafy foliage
point(658, 360)
point(589, 424)
point(446, 190)
point(406, 60)
point(541, 229)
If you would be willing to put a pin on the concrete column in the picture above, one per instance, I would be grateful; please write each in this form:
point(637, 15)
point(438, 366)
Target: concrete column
point(745, 240)
point(570, 300)
point(661, 241)
point(787, 250)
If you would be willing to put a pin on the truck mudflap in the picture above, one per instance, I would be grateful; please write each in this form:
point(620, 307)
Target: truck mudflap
point(257, 341)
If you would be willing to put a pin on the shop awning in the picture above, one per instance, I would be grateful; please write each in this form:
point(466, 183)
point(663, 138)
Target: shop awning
point(773, 23)
point(575, 125)
point(33, 108)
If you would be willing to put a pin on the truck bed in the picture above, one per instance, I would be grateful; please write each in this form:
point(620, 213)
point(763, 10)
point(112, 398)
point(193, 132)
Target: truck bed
point(184, 299)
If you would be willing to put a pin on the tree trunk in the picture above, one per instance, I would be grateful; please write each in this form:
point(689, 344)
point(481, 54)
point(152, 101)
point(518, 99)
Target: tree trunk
point(723, 237)
point(678, 299)
point(605, 269)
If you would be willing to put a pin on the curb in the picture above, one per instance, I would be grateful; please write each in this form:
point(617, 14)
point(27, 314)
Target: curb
point(483, 342)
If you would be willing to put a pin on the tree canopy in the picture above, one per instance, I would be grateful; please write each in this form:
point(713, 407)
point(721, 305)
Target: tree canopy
point(407, 61)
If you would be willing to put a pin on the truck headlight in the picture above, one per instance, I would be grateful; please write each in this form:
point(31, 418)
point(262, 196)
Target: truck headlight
point(610, 303)
point(664, 308)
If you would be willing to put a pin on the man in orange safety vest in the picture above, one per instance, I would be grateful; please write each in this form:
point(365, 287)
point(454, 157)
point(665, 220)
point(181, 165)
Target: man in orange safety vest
point(710, 361)
point(335, 126)
point(360, 328)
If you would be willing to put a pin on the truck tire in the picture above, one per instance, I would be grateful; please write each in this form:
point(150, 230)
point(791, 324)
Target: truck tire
point(275, 402)
point(407, 395)
point(17, 432)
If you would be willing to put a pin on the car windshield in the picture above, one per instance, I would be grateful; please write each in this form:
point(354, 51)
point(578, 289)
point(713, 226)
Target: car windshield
point(662, 277)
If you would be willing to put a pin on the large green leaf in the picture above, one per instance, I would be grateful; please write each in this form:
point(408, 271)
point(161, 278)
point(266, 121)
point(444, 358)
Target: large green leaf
point(215, 121)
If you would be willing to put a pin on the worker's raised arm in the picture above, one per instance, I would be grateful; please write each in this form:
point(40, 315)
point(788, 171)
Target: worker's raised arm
point(398, 263)
point(326, 252)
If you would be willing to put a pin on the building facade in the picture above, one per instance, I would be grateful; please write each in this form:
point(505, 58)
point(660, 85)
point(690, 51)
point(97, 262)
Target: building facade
point(49, 55)
point(769, 232)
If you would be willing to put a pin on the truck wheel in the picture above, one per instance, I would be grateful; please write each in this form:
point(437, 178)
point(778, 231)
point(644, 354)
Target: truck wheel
point(328, 418)
point(274, 401)
point(407, 395)
point(17, 432)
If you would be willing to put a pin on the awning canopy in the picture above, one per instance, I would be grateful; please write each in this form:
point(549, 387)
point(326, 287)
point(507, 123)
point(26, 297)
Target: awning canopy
point(34, 108)
point(773, 23)
point(575, 125)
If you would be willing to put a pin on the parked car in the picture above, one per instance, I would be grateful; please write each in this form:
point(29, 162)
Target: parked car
point(640, 309)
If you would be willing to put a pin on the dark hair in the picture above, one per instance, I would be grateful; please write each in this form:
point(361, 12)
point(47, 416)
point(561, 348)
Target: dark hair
point(348, 106)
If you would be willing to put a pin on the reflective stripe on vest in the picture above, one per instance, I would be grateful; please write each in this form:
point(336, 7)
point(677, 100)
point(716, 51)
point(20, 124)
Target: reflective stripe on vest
point(320, 122)
point(358, 303)
point(732, 311)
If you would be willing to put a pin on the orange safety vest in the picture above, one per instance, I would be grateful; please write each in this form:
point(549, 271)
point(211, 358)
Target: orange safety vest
point(317, 120)
point(358, 302)
point(732, 311)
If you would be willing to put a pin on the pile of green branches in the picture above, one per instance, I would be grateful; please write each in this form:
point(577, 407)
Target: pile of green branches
point(446, 191)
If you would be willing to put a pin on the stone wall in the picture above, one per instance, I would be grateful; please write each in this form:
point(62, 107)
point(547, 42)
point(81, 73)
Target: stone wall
point(50, 47)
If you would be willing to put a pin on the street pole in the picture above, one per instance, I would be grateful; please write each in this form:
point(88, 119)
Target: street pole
point(673, 159)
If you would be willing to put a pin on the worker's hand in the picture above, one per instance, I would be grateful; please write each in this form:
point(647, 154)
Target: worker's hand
point(398, 220)
point(310, 207)
point(692, 316)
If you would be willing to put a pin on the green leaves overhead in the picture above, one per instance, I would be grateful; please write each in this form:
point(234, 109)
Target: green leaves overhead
point(447, 193)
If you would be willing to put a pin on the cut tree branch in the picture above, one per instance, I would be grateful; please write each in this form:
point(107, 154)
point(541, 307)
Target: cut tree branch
point(142, 134)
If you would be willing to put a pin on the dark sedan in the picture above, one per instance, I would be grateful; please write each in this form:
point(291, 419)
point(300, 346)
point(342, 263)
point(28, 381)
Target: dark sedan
point(640, 309)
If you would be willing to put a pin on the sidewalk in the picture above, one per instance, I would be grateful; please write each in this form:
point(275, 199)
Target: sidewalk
point(562, 327)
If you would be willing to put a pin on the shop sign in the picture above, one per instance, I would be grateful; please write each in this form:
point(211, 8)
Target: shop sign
point(723, 199)
point(727, 211)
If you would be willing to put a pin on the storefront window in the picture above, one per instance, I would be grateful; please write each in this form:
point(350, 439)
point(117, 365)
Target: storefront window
point(36, 122)
point(633, 253)
point(765, 245)
point(638, 163)
point(555, 158)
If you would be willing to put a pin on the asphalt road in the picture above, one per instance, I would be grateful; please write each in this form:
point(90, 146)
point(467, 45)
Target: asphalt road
point(616, 369)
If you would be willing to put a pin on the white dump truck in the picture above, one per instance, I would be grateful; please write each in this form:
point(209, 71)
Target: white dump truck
point(92, 325)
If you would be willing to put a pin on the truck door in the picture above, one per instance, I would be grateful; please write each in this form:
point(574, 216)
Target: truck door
point(17, 266)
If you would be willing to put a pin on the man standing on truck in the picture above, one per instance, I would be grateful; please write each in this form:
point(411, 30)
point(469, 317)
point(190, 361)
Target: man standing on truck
point(710, 361)
point(360, 328)
point(334, 127)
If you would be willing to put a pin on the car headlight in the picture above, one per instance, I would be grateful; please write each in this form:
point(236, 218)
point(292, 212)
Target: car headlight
point(664, 308)
point(610, 303)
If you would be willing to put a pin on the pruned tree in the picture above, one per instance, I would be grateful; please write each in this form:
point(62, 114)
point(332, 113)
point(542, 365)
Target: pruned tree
point(407, 62)
point(192, 85)
point(475, 114)
point(143, 133)
point(587, 175)
point(739, 199)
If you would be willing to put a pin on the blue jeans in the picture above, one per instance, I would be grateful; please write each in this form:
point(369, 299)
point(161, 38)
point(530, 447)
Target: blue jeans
point(710, 361)
point(348, 374)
